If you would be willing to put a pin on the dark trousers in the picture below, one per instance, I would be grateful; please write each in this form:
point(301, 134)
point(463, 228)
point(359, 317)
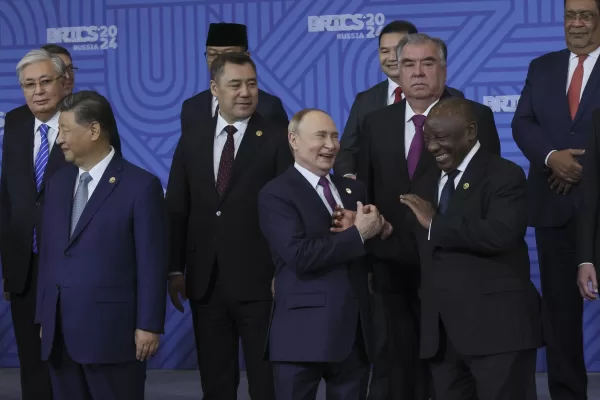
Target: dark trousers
point(378, 386)
point(506, 376)
point(74, 381)
point(346, 380)
point(35, 378)
point(562, 312)
point(219, 322)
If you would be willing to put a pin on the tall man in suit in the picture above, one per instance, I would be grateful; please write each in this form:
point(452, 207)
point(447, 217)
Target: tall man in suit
point(481, 320)
point(219, 166)
point(321, 324)
point(103, 265)
point(228, 38)
point(392, 158)
point(29, 158)
point(551, 125)
point(383, 94)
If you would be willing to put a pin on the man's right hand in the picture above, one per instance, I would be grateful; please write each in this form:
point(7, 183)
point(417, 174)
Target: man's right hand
point(370, 223)
point(6, 294)
point(565, 166)
point(586, 275)
point(176, 288)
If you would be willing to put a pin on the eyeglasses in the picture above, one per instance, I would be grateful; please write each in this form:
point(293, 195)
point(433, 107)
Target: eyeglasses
point(44, 83)
point(584, 16)
point(213, 56)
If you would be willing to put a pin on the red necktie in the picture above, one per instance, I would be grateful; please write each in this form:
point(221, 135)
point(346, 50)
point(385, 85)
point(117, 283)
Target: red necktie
point(397, 94)
point(226, 163)
point(574, 92)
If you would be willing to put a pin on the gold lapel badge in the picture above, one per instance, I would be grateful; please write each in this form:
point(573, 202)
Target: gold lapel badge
point(348, 191)
point(112, 180)
point(466, 186)
point(259, 133)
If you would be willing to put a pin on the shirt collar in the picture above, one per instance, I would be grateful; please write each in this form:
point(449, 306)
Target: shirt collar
point(52, 122)
point(221, 124)
point(310, 177)
point(465, 162)
point(410, 113)
point(98, 170)
point(391, 87)
point(594, 54)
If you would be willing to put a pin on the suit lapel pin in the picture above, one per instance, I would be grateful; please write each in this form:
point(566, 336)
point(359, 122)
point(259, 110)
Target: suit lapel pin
point(112, 180)
point(465, 186)
point(259, 133)
point(348, 191)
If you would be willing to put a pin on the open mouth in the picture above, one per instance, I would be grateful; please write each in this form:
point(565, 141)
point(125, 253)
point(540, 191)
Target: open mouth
point(441, 158)
point(328, 156)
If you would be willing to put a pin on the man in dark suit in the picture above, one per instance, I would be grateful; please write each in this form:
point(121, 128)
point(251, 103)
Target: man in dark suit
point(551, 125)
point(29, 158)
point(480, 312)
point(381, 95)
point(391, 160)
point(103, 265)
point(219, 166)
point(321, 324)
point(227, 38)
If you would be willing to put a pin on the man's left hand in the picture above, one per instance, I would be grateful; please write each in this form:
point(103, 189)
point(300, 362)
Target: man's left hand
point(146, 344)
point(342, 219)
point(422, 209)
point(559, 186)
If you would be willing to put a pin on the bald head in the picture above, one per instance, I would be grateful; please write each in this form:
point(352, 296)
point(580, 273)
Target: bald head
point(450, 132)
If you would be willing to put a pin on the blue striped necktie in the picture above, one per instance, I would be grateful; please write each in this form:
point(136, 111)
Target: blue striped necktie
point(40, 167)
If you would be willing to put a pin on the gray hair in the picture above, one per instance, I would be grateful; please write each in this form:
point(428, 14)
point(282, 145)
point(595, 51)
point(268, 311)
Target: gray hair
point(39, 55)
point(422, 38)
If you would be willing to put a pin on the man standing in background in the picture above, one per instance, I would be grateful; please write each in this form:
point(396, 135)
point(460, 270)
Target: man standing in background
point(230, 38)
point(551, 126)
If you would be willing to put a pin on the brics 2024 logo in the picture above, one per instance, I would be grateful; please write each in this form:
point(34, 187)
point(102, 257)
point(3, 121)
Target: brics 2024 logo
point(502, 103)
point(85, 37)
point(354, 26)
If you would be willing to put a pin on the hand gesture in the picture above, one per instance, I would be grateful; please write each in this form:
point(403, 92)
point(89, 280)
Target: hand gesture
point(368, 221)
point(422, 209)
point(175, 289)
point(342, 219)
point(565, 166)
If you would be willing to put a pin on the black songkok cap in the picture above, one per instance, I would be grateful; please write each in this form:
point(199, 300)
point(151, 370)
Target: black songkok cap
point(225, 34)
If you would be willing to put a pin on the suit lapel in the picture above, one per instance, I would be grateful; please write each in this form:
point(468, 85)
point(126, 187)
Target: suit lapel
point(559, 90)
point(394, 139)
point(67, 193)
point(306, 191)
point(206, 104)
point(26, 147)
point(348, 197)
point(589, 91)
point(55, 161)
point(469, 182)
point(102, 191)
point(381, 93)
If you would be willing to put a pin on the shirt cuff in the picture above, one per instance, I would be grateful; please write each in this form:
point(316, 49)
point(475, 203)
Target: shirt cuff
point(547, 157)
point(592, 264)
point(349, 175)
point(175, 273)
point(429, 230)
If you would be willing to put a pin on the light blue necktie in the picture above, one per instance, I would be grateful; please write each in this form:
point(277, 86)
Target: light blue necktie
point(40, 167)
point(81, 199)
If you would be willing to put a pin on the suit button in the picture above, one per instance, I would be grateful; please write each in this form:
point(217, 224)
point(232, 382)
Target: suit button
point(218, 213)
point(572, 133)
point(57, 286)
point(67, 254)
point(37, 204)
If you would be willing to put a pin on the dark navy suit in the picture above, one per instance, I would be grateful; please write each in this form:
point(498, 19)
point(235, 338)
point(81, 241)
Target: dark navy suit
point(104, 282)
point(321, 323)
point(543, 123)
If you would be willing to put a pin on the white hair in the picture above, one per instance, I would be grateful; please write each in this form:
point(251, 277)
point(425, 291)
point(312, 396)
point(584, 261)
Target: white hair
point(39, 55)
point(421, 38)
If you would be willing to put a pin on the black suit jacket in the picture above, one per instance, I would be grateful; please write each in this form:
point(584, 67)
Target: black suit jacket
point(205, 228)
point(475, 270)
point(381, 165)
point(269, 106)
point(20, 202)
point(365, 102)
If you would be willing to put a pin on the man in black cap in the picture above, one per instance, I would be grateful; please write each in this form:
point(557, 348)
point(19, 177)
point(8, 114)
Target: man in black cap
point(228, 38)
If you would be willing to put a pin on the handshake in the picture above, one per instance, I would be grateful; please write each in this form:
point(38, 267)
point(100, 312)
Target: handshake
point(367, 220)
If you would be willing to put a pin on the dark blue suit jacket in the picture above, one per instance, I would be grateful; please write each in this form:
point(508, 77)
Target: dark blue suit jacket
point(111, 274)
point(542, 123)
point(320, 279)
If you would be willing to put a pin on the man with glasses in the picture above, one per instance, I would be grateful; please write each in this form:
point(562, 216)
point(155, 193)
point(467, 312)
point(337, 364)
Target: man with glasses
point(229, 38)
point(29, 158)
point(551, 125)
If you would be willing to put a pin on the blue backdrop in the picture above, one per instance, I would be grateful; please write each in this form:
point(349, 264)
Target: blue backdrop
point(147, 57)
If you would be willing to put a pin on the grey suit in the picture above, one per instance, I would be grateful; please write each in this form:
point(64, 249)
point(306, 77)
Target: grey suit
point(365, 102)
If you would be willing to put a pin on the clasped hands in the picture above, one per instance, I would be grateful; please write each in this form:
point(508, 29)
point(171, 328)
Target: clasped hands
point(366, 218)
point(566, 170)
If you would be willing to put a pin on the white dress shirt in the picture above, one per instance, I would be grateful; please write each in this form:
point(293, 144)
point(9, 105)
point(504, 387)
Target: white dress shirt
point(588, 67)
point(52, 134)
point(214, 104)
point(221, 138)
point(96, 173)
point(461, 168)
point(409, 126)
point(391, 89)
point(314, 182)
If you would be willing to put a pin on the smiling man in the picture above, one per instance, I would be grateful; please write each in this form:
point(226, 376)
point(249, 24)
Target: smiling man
point(480, 312)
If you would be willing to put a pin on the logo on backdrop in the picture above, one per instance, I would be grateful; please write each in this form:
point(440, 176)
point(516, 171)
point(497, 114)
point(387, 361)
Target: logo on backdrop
point(84, 38)
point(350, 26)
point(498, 104)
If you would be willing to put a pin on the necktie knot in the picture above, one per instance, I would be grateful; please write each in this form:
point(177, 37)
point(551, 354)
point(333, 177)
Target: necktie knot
point(85, 178)
point(419, 120)
point(44, 130)
point(582, 58)
point(231, 130)
point(323, 181)
point(397, 94)
point(453, 174)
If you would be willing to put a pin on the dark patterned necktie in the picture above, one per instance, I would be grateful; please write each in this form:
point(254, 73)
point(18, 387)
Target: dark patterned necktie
point(324, 182)
point(447, 192)
point(414, 153)
point(226, 163)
